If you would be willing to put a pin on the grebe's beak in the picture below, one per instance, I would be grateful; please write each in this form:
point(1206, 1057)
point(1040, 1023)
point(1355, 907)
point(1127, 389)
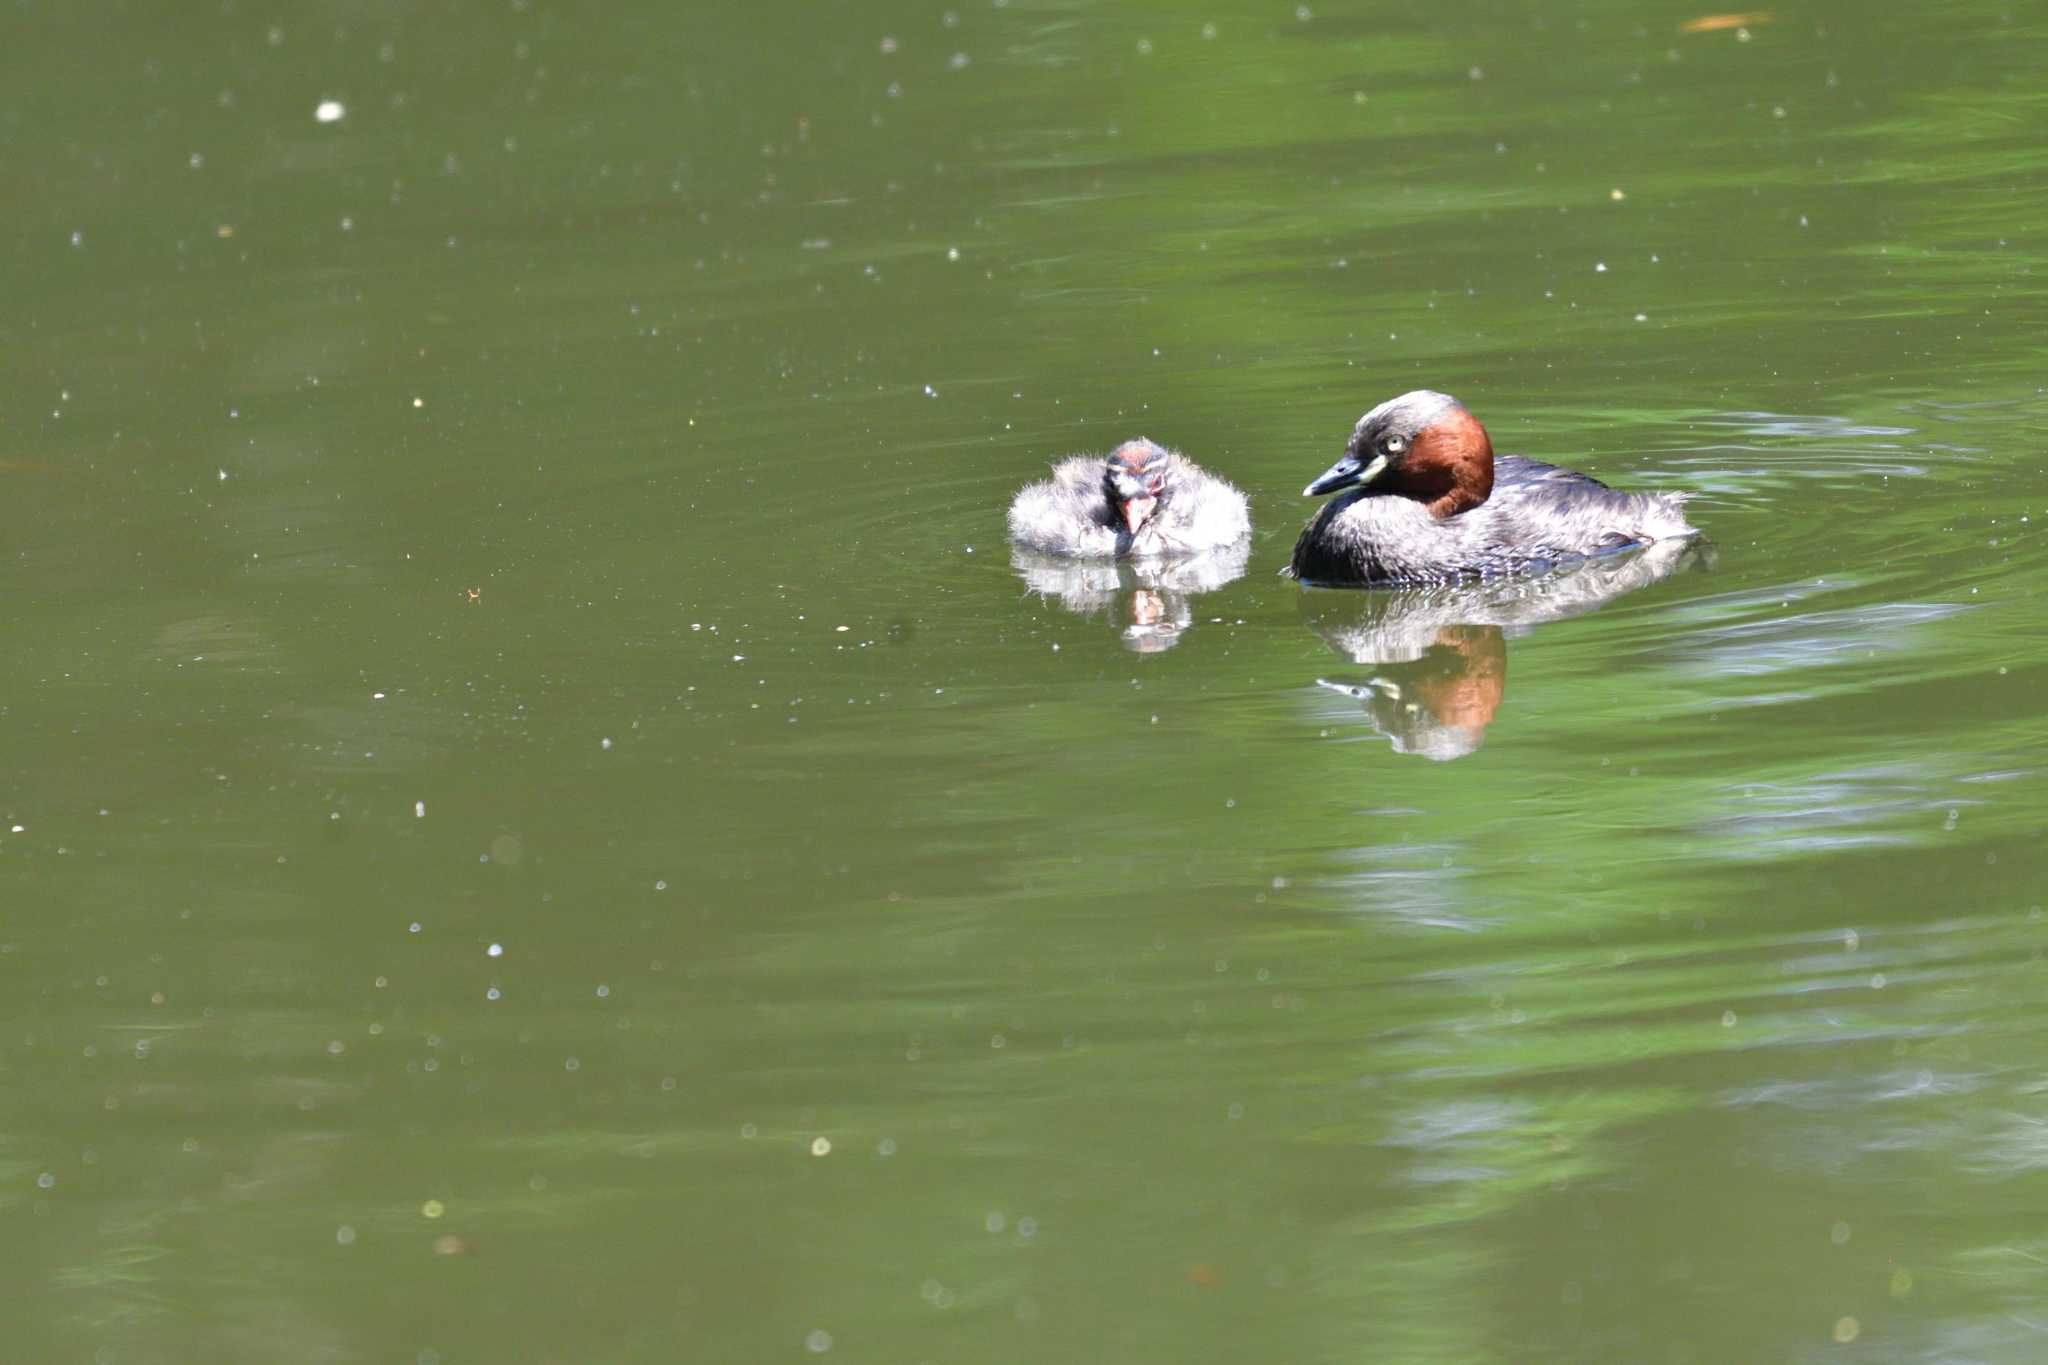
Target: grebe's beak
point(1136, 510)
point(1349, 472)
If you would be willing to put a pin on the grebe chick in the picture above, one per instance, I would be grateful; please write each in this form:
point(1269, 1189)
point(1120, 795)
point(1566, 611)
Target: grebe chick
point(1429, 503)
point(1143, 501)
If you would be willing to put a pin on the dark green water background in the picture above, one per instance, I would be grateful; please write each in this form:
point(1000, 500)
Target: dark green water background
point(542, 825)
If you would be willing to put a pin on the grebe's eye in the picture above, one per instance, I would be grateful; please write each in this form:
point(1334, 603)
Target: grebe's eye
point(1394, 445)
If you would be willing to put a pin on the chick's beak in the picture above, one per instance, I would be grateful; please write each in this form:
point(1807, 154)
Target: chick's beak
point(1348, 472)
point(1136, 510)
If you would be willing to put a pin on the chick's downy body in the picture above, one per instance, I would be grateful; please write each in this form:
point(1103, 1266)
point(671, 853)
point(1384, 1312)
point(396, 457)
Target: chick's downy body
point(1142, 501)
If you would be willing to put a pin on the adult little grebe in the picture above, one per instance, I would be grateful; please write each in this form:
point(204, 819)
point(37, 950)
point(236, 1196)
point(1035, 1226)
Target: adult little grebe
point(1431, 504)
point(1143, 501)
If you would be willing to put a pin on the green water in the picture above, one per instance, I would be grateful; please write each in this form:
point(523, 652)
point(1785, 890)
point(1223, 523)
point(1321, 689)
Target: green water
point(542, 823)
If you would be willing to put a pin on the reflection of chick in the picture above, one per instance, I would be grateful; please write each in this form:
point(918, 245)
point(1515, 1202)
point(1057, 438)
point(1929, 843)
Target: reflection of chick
point(1441, 651)
point(1157, 619)
point(1158, 607)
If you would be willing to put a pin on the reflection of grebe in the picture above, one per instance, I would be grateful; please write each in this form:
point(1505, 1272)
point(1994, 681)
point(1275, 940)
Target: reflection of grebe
point(1143, 502)
point(1429, 503)
point(1440, 704)
point(1151, 596)
point(1441, 652)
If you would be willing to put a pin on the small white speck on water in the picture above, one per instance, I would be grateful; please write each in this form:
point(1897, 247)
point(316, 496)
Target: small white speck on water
point(821, 1146)
point(604, 992)
point(413, 928)
point(345, 1235)
point(419, 402)
point(495, 950)
point(930, 392)
point(491, 994)
point(605, 743)
point(818, 1342)
point(330, 111)
point(661, 886)
point(1727, 1018)
point(1599, 267)
point(952, 253)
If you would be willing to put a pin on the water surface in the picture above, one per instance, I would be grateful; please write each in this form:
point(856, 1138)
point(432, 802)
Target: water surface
point(543, 823)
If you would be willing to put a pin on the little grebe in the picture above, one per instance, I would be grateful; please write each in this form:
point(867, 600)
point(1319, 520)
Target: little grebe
point(1431, 504)
point(1143, 501)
